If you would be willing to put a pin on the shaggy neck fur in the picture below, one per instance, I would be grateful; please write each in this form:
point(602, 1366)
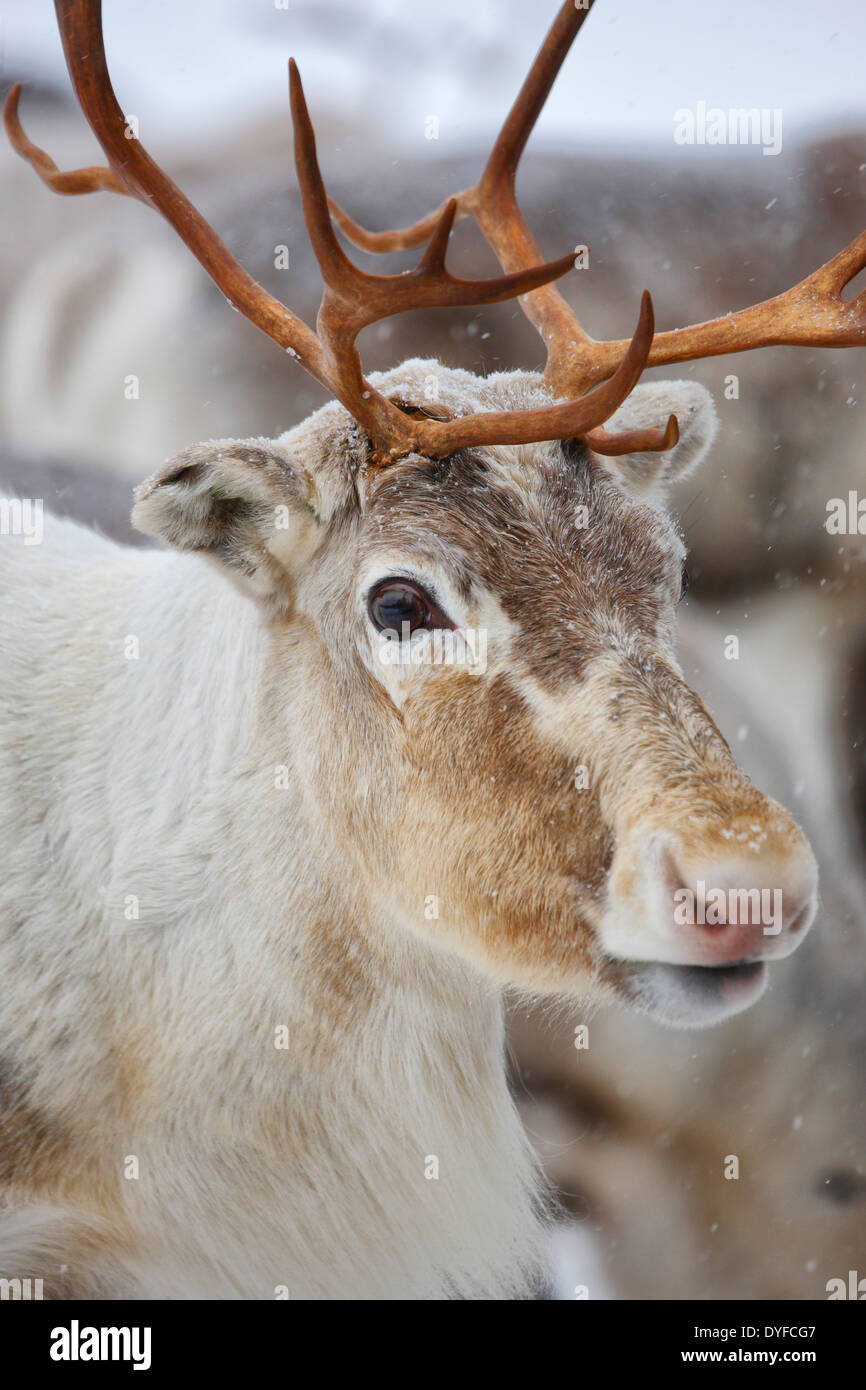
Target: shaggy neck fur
point(284, 1071)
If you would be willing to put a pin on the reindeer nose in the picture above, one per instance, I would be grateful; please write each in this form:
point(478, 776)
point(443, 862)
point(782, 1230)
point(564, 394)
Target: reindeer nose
point(725, 907)
point(704, 894)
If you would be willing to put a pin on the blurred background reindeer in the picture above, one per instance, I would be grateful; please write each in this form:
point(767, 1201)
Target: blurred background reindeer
point(116, 351)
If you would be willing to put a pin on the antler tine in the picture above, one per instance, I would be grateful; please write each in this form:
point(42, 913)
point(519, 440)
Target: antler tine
point(352, 299)
point(434, 256)
point(811, 313)
point(493, 205)
point(496, 210)
point(72, 181)
point(564, 420)
point(365, 298)
point(634, 441)
point(401, 239)
point(134, 173)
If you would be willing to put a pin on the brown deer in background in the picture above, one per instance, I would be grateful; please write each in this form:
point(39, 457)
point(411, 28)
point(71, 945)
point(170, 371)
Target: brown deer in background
point(268, 877)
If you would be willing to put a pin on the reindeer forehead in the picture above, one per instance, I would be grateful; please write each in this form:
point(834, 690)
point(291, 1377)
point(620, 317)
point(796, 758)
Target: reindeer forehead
point(546, 529)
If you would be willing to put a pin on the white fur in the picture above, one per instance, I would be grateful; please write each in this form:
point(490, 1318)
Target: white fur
point(259, 1167)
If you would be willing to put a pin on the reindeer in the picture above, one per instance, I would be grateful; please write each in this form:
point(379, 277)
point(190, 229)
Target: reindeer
point(265, 889)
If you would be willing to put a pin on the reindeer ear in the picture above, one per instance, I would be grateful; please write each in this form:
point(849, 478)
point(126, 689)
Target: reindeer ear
point(648, 475)
point(243, 503)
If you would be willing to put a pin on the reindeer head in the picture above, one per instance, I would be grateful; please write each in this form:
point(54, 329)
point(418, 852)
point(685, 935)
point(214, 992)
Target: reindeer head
point(563, 813)
point(533, 793)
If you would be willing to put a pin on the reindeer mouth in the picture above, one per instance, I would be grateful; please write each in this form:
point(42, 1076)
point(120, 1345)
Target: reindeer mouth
point(694, 996)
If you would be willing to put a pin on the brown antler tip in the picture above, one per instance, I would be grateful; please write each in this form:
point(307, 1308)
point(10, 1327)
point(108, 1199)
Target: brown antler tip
point(305, 138)
point(297, 100)
point(647, 318)
point(636, 441)
point(434, 257)
point(11, 119)
point(59, 180)
point(296, 87)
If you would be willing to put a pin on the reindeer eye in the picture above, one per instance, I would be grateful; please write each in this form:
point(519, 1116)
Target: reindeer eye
point(393, 602)
point(685, 581)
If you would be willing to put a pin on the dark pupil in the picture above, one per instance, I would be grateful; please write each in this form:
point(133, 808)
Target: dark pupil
point(394, 606)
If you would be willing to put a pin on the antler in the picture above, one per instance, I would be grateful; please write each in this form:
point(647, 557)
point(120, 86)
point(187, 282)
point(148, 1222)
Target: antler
point(812, 313)
point(351, 298)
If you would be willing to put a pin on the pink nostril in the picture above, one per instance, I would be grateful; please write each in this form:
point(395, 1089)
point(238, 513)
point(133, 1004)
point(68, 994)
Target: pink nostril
point(722, 916)
point(696, 900)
